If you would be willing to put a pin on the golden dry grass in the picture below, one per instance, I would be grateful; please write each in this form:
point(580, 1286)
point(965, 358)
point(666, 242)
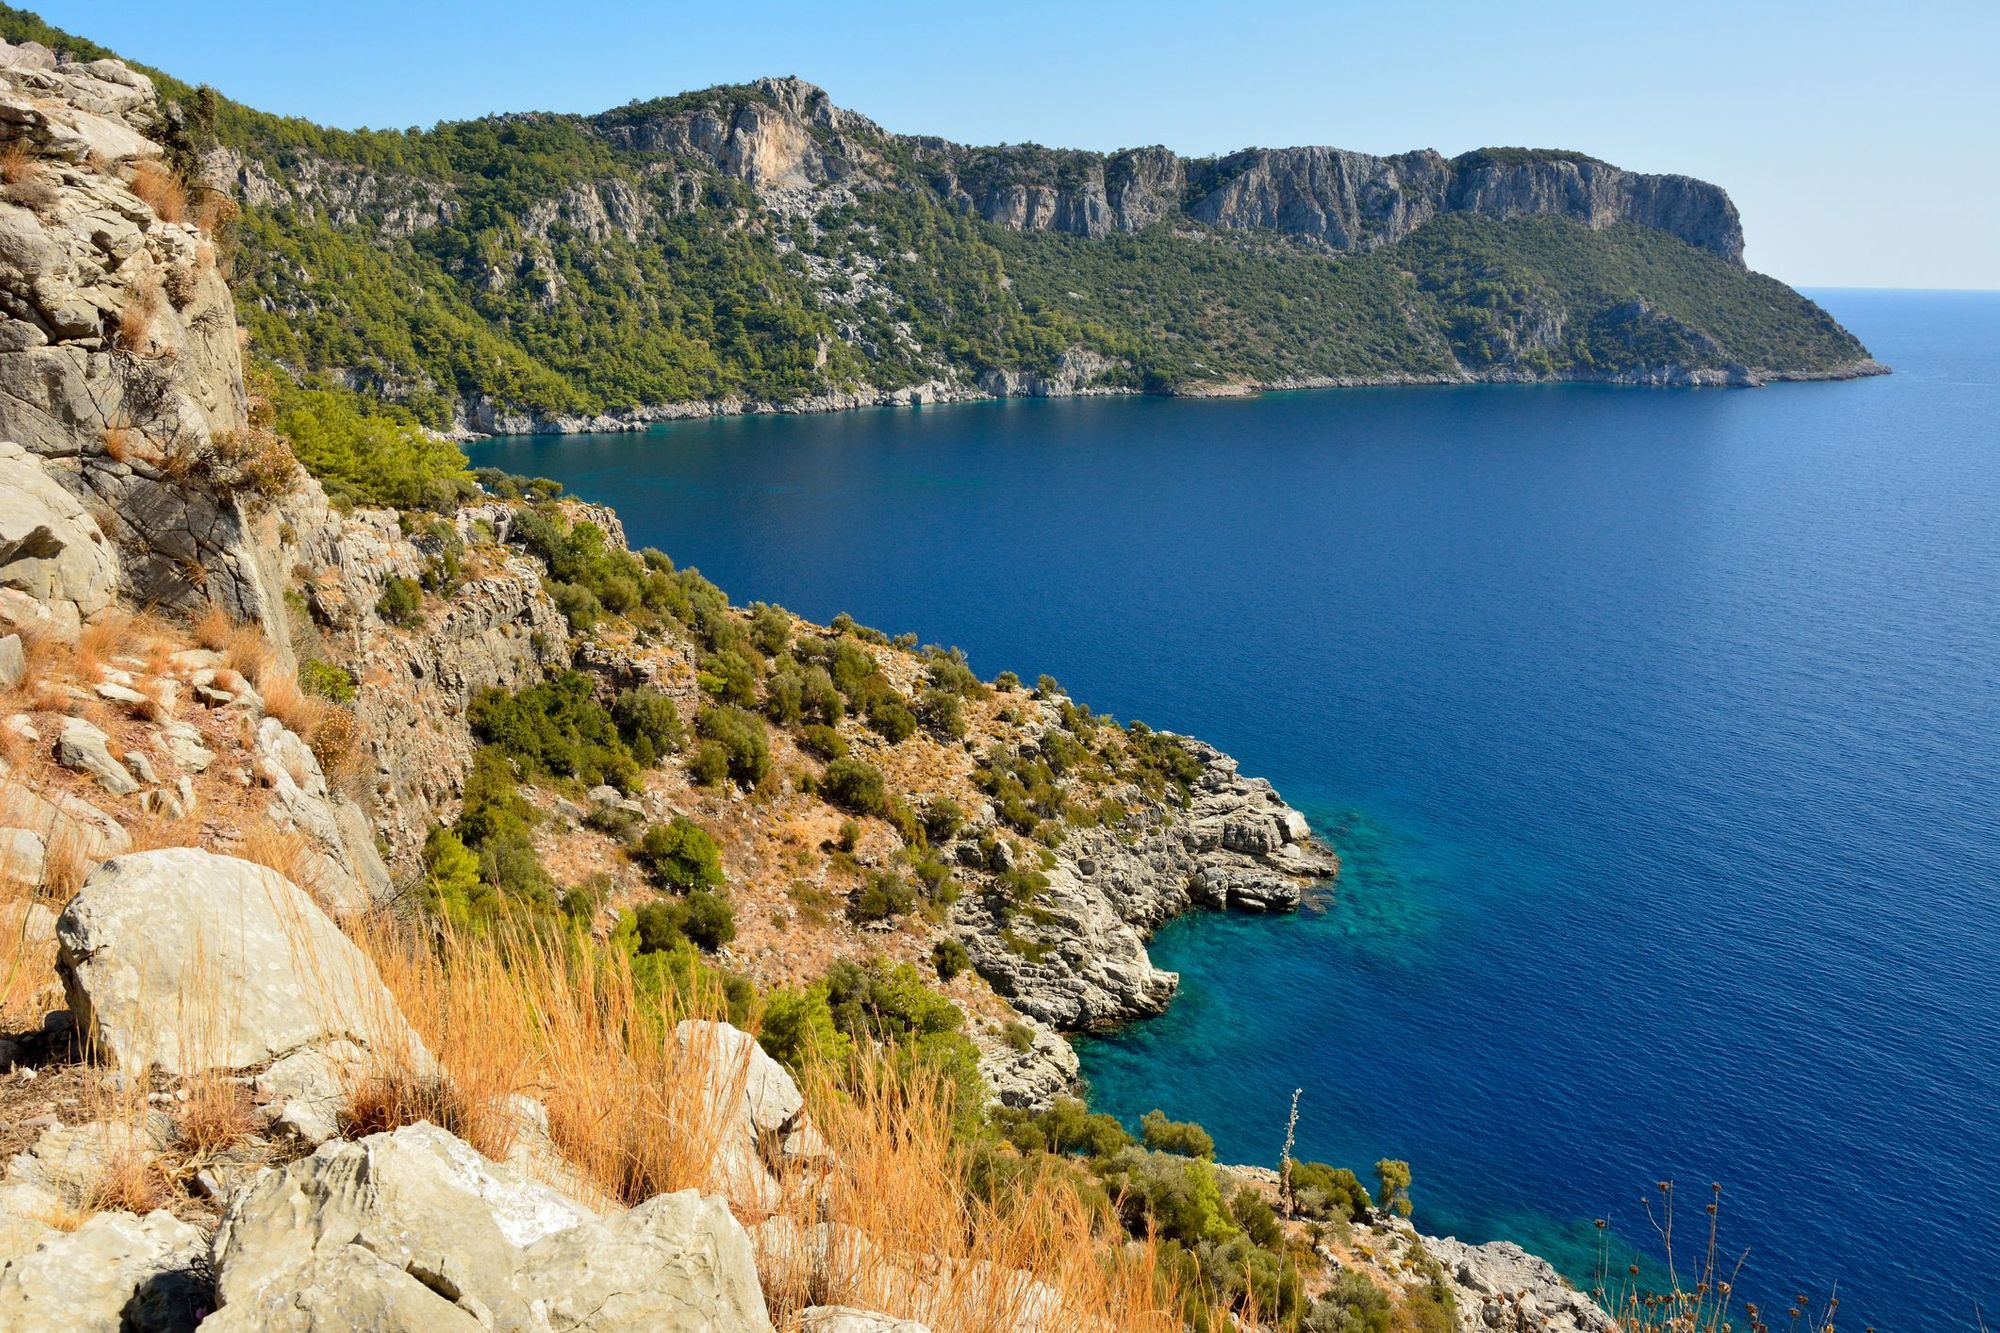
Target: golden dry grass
point(117, 443)
point(161, 190)
point(18, 165)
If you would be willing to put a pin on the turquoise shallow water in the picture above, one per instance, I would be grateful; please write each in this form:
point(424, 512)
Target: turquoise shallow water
point(1660, 732)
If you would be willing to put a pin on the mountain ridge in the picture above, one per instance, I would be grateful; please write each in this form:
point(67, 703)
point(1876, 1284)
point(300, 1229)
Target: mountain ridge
point(756, 247)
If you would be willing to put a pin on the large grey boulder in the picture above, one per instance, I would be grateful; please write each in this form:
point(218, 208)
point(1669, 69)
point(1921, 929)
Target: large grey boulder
point(187, 960)
point(416, 1230)
point(116, 1273)
point(50, 547)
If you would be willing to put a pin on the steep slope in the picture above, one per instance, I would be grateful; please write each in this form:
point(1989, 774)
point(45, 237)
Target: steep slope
point(760, 248)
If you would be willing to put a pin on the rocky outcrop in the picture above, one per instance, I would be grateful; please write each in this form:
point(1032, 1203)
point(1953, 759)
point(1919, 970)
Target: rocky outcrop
point(415, 1231)
point(754, 1110)
point(1500, 1286)
point(1082, 962)
point(183, 960)
point(119, 363)
point(56, 567)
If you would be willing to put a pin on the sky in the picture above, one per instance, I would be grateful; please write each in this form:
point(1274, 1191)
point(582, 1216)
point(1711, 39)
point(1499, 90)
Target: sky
point(1860, 141)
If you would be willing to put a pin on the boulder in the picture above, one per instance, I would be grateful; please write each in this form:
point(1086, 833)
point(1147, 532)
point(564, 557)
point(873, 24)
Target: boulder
point(415, 1230)
point(13, 662)
point(187, 960)
point(21, 856)
point(51, 549)
point(113, 1274)
point(754, 1108)
point(83, 747)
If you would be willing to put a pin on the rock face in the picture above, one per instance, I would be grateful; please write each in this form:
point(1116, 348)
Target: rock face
point(1330, 197)
point(755, 1110)
point(1235, 845)
point(119, 364)
point(186, 960)
point(1500, 1286)
point(51, 549)
point(415, 1231)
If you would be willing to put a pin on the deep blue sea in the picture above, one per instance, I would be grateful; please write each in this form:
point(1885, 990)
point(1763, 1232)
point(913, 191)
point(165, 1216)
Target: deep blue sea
point(1659, 730)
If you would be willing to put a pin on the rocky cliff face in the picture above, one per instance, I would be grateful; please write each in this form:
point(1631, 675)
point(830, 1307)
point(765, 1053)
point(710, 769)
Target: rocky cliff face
point(1329, 197)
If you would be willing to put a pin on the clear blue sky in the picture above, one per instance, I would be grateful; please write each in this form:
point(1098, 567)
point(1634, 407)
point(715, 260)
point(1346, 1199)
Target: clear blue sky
point(1861, 141)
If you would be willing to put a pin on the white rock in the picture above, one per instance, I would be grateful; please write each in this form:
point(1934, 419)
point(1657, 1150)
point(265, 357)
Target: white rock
point(188, 960)
point(114, 1272)
point(84, 748)
point(51, 549)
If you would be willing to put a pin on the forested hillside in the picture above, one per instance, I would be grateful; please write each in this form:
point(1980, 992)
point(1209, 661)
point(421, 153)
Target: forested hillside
point(758, 246)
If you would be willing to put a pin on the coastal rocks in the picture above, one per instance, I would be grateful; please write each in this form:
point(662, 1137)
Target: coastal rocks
point(186, 960)
point(415, 1230)
point(1500, 1286)
point(1083, 964)
point(51, 549)
point(1077, 371)
point(1032, 1076)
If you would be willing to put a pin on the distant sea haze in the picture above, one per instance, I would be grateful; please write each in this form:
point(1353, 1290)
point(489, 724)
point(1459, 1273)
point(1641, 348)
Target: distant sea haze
point(1659, 731)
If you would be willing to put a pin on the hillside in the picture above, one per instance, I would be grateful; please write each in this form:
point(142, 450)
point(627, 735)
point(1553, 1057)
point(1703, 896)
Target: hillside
point(757, 247)
point(441, 916)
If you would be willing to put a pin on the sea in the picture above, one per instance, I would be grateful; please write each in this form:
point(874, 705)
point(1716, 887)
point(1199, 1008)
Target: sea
point(1658, 731)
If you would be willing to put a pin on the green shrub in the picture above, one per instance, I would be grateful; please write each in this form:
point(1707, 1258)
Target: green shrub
point(1179, 1197)
point(1071, 1127)
point(558, 729)
point(942, 819)
point(882, 895)
point(402, 602)
point(893, 719)
point(950, 958)
point(1007, 680)
point(940, 714)
point(770, 628)
point(746, 752)
point(1176, 1136)
point(1020, 1038)
point(729, 676)
point(649, 724)
point(798, 1028)
point(709, 764)
point(364, 452)
point(1394, 1176)
point(1329, 1193)
point(1257, 1218)
point(681, 855)
point(1352, 1304)
point(822, 742)
point(711, 921)
point(855, 785)
point(325, 680)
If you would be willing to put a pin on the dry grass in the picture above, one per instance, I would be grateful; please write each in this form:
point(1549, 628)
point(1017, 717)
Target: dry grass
point(161, 190)
point(132, 1181)
point(18, 165)
point(135, 321)
point(634, 1112)
point(216, 1116)
point(287, 851)
point(117, 443)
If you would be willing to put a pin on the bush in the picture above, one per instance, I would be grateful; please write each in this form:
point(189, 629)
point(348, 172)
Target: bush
point(823, 742)
point(855, 785)
point(363, 452)
point(1176, 1136)
point(649, 724)
point(1329, 1193)
point(891, 718)
point(709, 764)
point(557, 729)
point(942, 819)
point(1020, 1038)
point(741, 737)
point(798, 1028)
point(940, 713)
point(325, 680)
point(883, 895)
point(1070, 1127)
point(681, 855)
point(1353, 1304)
point(731, 677)
point(711, 921)
point(1179, 1196)
point(770, 628)
point(1394, 1176)
point(1257, 1218)
point(950, 958)
point(402, 602)
point(1007, 680)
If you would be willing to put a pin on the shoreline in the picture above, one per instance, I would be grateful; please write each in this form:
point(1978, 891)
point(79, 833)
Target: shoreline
point(941, 393)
